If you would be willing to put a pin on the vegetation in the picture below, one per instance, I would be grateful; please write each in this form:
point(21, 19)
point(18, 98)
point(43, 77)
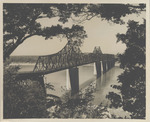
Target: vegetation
point(27, 100)
point(20, 21)
point(80, 106)
point(22, 98)
point(132, 80)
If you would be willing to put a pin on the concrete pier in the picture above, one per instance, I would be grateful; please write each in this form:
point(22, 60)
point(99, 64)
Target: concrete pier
point(98, 68)
point(74, 80)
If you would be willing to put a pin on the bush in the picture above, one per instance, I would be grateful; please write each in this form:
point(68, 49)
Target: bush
point(132, 80)
point(79, 106)
point(22, 99)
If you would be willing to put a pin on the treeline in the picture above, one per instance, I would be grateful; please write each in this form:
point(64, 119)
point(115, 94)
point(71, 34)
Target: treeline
point(23, 59)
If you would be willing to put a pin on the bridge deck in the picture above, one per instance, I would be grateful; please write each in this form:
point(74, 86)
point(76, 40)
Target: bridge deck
point(67, 65)
point(70, 56)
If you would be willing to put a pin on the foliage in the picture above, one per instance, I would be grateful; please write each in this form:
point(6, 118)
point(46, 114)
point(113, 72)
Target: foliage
point(109, 12)
point(26, 99)
point(22, 99)
point(20, 23)
point(79, 106)
point(132, 80)
point(21, 20)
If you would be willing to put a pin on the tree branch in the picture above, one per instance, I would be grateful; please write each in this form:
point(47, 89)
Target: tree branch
point(20, 40)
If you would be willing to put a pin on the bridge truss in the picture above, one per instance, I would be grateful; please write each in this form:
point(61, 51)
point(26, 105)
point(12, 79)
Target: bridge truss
point(70, 56)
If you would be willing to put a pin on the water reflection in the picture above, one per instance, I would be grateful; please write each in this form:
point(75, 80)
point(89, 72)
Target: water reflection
point(103, 85)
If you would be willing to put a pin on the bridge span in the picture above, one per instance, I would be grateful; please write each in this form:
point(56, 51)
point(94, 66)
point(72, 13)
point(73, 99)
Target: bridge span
point(70, 57)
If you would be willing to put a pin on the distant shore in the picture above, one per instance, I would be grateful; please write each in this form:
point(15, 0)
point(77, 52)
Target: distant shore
point(15, 64)
point(23, 64)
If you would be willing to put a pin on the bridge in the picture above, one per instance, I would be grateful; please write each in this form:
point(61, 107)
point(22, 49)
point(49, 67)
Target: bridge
point(70, 57)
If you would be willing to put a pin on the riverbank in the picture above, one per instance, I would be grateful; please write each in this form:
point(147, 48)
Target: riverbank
point(100, 93)
point(21, 64)
point(87, 78)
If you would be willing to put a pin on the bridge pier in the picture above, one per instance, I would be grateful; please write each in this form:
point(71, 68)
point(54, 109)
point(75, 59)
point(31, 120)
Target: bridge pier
point(74, 80)
point(104, 66)
point(113, 63)
point(95, 73)
point(67, 79)
point(98, 68)
point(109, 65)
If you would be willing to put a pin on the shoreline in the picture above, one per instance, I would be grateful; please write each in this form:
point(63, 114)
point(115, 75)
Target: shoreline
point(15, 64)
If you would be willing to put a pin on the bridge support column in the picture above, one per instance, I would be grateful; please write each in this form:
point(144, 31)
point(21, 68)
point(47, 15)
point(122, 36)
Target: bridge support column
point(95, 73)
point(67, 80)
point(113, 62)
point(104, 66)
point(109, 65)
point(98, 68)
point(74, 80)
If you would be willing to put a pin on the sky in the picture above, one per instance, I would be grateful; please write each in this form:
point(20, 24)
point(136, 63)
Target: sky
point(100, 33)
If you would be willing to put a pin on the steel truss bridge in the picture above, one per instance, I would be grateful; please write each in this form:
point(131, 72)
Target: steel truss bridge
point(70, 56)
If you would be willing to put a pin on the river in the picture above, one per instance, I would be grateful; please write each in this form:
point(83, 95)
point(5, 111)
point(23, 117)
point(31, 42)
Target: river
point(60, 81)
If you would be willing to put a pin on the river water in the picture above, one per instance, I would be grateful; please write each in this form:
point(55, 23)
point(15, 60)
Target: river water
point(61, 83)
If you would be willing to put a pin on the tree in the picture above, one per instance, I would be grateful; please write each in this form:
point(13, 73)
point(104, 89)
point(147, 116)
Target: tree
point(79, 106)
point(22, 99)
point(109, 12)
point(20, 20)
point(20, 23)
point(132, 80)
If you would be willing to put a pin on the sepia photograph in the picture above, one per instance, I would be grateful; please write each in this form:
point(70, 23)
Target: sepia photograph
point(74, 60)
